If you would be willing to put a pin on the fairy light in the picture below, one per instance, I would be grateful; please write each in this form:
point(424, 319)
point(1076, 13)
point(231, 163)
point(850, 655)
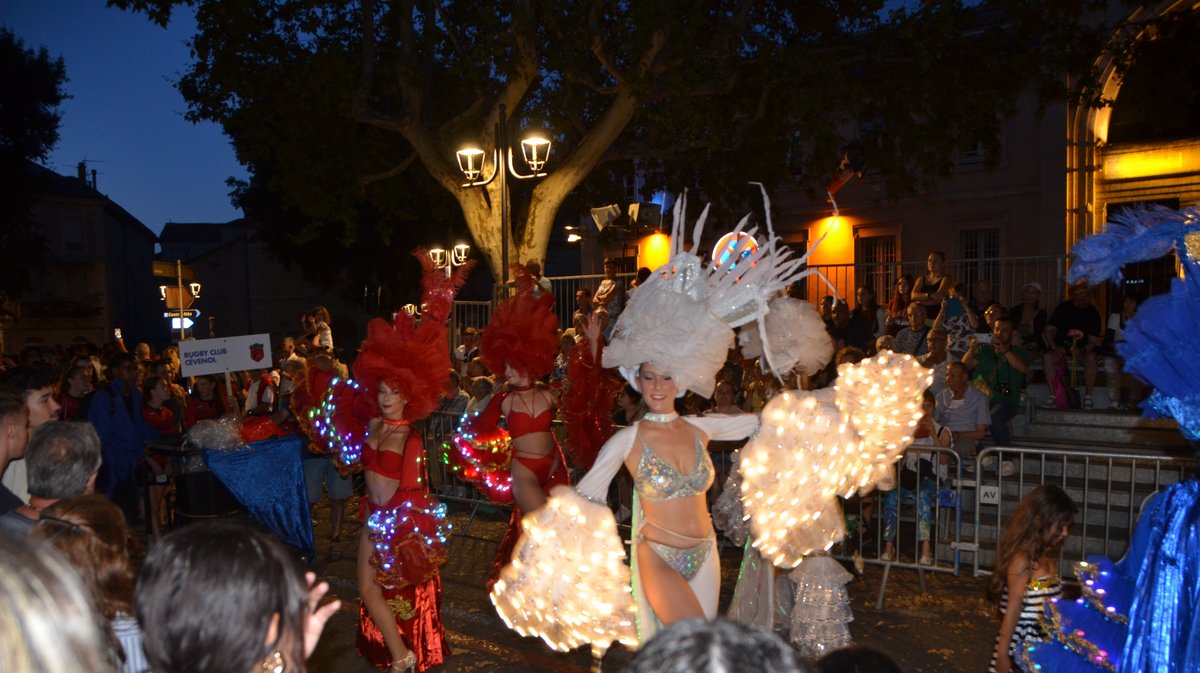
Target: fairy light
point(425, 523)
point(837, 449)
point(592, 602)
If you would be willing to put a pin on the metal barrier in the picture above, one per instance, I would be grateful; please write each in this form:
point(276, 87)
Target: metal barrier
point(1008, 276)
point(865, 521)
point(1109, 489)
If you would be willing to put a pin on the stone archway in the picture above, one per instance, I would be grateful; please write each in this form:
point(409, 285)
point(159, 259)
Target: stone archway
point(1088, 139)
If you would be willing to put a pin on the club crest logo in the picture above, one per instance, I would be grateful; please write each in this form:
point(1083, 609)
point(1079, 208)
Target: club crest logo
point(256, 352)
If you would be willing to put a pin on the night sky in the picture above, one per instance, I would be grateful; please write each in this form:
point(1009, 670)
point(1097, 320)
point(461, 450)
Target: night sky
point(125, 116)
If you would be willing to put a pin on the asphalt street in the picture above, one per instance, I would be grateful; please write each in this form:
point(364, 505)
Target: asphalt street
point(950, 627)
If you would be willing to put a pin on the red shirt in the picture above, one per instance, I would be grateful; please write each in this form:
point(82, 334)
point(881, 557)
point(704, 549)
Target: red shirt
point(201, 410)
point(161, 419)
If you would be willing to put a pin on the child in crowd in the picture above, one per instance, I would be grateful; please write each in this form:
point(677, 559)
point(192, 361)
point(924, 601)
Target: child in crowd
point(1027, 570)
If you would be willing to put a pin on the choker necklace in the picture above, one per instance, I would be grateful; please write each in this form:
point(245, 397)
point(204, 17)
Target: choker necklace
point(660, 418)
point(400, 422)
point(521, 389)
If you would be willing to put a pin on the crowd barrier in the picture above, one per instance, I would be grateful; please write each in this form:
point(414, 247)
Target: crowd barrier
point(964, 511)
point(1109, 488)
point(865, 519)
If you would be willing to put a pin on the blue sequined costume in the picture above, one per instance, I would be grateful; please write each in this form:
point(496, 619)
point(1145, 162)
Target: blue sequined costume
point(1143, 612)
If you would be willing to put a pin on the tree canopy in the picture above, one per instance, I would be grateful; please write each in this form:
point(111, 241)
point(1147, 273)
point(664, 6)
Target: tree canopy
point(347, 107)
point(31, 89)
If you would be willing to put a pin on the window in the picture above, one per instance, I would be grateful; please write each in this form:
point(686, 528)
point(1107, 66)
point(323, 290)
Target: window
point(979, 250)
point(875, 259)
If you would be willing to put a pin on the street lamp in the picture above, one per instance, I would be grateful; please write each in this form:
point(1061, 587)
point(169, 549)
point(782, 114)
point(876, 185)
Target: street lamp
point(448, 259)
point(535, 150)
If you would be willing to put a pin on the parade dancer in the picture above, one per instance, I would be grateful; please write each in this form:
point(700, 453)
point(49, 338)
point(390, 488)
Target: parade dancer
point(520, 342)
point(367, 424)
point(672, 336)
point(1142, 613)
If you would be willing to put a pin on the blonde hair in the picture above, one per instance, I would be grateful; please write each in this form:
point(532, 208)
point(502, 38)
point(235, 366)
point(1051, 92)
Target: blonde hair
point(47, 621)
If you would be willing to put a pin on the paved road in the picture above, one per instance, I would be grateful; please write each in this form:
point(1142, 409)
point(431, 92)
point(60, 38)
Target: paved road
point(947, 629)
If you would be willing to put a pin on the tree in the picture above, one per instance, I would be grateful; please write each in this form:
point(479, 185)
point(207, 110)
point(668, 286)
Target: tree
point(31, 89)
point(342, 101)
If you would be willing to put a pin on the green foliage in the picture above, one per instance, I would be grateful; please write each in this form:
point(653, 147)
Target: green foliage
point(31, 89)
point(349, 110)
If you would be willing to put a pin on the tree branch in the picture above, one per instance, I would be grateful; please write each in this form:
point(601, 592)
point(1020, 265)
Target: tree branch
point(598, 48)
point(399, 168)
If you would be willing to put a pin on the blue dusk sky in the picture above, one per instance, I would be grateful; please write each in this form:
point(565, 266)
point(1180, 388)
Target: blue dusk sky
point(125, 116)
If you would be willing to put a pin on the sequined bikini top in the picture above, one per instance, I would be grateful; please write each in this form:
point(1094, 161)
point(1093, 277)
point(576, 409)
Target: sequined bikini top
point(657, 480)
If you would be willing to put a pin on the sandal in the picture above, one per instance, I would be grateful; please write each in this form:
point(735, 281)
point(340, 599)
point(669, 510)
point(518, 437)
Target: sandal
point(405, 665)
point(926, 560)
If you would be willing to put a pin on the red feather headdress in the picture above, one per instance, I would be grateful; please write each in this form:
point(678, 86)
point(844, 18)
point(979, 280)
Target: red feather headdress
point(523, 331)
point(412, 357)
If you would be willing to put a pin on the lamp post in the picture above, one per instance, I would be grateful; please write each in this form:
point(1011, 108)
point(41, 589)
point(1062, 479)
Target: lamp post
point(448, 259)
point(535, 149)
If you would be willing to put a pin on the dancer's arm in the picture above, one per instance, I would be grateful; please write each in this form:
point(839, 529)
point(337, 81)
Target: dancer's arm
point(594, 485)
point(726, 428)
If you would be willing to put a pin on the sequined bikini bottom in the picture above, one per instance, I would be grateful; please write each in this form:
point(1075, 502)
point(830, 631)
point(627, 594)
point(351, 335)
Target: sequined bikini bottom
point(686, 561)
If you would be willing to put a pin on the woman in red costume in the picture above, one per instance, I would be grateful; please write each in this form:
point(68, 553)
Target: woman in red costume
point(368, 424)
point(520, 342)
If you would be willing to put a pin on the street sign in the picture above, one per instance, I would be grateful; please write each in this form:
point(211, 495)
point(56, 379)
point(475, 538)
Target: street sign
point(185, 313)
point(187, 323)
point(213, 356)
point(167, 270)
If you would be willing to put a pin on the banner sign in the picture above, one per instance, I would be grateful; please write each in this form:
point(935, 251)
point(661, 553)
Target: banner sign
point(217, 356)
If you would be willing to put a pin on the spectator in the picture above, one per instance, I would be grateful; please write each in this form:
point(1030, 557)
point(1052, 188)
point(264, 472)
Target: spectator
point(73, 391)
point(481, 394)
point(1001, 366)
point(839, 325)
point(609, 299)
point(50, 623)
point(827, 308)
point(143, 353)
point(897, 308)
point(467, 350)
point(934, 285)
point(912, 339)
point(937, 358)
point(451, 406)
point(1026, 574)
point(14, 435)
point(640, 277)
point(991, 314)
point(1113, 362)
point(286, 364)
point(249, 605)
point(918, 479)
point(1073, 329)
point(34, 384)
point(583, 309)
point(959, 320)
point(207, 402)
point(857, 659)
point(981, 296)
point(540, 283)
point(566, 342)
point(164, 368)
point(308, 337)
point(964, 411)
point(887, 342)
point(261, 395)
point(63, 461)
point(160, 421)
point(320, 473)
point(323, 337)
point(701, 646)
point(866, 321)
point(90, 533)
point(724, 400)
point(629, 407)
point(116, 413)
point(1029, 317)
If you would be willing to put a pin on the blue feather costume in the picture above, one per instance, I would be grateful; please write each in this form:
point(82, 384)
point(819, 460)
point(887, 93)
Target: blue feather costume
point(1143, 612)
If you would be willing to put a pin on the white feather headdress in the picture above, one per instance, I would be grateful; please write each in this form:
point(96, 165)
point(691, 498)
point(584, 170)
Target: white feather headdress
point(682, 317)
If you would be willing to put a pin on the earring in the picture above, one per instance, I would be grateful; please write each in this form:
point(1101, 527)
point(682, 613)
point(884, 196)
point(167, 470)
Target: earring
point(273, 663)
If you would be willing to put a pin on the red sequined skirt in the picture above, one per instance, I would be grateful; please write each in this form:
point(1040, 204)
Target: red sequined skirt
point(418, 612)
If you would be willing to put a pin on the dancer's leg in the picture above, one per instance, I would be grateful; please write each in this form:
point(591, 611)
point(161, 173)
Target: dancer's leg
point(372, 597)
point(668, 593)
